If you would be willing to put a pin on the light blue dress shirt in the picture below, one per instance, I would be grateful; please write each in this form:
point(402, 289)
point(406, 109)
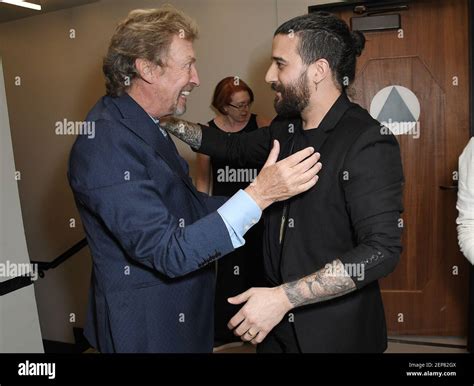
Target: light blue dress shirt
point(239, 213)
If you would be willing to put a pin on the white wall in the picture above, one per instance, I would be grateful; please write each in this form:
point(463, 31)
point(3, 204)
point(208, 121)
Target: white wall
point(19, 325)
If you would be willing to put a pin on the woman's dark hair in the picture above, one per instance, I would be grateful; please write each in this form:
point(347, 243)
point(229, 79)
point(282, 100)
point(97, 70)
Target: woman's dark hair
point(322, 35)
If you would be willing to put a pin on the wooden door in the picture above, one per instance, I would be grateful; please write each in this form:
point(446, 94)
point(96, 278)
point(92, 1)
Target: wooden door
point(416, 80)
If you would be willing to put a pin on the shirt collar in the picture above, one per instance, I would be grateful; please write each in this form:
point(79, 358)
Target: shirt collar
point(157, 122)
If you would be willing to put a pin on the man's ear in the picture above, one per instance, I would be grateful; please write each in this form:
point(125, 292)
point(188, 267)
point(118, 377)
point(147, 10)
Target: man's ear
point(319, 71)
point(145, 70)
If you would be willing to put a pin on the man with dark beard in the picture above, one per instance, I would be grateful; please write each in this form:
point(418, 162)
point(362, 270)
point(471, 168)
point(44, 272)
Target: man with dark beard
point(325, 249)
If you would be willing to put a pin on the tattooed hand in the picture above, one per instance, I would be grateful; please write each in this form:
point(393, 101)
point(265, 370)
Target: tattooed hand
point(265, 307)
point(189, 132)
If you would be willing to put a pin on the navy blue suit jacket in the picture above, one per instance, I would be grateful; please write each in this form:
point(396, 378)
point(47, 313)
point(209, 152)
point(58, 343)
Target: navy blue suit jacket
point(151, 234)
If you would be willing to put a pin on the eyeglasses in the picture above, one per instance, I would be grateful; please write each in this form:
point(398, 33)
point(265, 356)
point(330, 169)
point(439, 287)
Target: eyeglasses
point(242, 106)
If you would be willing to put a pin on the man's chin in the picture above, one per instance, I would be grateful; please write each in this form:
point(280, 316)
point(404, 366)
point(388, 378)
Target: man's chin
point(285, 112)
point(179, 111)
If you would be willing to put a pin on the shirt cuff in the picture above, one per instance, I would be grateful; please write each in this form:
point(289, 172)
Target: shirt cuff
point(239, 213)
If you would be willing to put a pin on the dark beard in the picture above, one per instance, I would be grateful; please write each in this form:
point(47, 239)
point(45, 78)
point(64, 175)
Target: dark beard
point(294, 97)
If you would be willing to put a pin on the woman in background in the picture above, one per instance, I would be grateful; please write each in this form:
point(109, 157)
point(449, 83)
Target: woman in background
point(243, 268)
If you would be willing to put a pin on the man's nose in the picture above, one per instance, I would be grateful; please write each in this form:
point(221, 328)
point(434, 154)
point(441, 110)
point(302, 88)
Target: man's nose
point(195, 77)
point(270, 76)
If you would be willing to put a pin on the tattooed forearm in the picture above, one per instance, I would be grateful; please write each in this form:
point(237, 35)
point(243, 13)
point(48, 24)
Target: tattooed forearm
point(188, 132)
point(319, 286)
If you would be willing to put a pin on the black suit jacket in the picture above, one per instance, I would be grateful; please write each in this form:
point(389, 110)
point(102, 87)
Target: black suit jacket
point(352, 214)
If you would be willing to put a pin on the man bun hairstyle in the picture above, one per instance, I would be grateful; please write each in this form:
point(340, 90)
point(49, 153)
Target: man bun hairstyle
point(322, 35)
point(359, 42)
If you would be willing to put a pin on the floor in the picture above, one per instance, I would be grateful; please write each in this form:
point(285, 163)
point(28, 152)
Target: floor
point(396, 344)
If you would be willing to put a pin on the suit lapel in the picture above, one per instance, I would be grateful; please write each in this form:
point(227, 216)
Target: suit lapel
point(331, 119)
point(328, 124)
point(138, 121)
point(319, 139)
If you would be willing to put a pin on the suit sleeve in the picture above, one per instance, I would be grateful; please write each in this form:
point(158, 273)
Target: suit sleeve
point(373, 188)
point(213, 202)
point(243, 150)
point(134, 211)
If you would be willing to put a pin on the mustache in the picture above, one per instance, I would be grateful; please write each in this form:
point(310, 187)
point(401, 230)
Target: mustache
point(277, 87)
point(188, 88)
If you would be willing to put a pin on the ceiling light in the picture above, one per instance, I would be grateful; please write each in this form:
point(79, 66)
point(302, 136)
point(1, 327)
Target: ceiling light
point(22, 3)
